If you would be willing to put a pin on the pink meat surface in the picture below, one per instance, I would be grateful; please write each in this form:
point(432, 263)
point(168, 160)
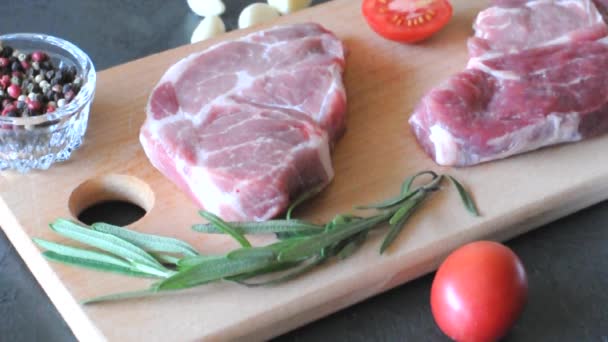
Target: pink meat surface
point(516, 103)
point(515, 25)
point(246, 126)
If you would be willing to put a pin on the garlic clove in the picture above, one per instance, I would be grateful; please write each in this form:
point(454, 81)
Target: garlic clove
point(257, 13)
point(207, 8)
point(209, 27)
point(289, 6)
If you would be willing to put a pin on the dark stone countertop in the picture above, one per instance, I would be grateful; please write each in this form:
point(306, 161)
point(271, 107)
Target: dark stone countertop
point(567, 260)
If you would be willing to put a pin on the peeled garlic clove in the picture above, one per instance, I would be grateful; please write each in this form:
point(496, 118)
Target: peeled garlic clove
point(289, 6)
point(207, 8)
point(207, 28)
point(256, 14)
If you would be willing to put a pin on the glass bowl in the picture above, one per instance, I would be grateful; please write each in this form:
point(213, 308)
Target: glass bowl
point(36, 142)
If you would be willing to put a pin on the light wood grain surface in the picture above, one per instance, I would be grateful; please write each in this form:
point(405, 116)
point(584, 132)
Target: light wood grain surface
point(384, 81)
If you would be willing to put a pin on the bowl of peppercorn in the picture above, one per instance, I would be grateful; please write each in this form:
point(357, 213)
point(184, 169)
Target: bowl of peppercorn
point(47, 85)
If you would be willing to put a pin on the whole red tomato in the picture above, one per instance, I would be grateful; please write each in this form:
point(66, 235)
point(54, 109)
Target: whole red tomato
point(479, 292)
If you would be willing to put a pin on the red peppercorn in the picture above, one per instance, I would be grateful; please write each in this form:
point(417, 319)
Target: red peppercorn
point(5, 103)
point(17, 74)
point(4, 62)
point(25, 65)
point(50, 109)
point(34, 106)
point(39, 56)
point(8, 109)
point(5, 81)
point(14, 91)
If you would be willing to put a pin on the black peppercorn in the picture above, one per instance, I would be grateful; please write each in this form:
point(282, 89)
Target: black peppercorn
point(7, 51)
point(16, 66)
point(58, 75)
point(49, 74)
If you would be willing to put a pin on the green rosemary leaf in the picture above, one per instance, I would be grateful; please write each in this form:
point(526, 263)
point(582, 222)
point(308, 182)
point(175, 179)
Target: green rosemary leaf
point(407, 184)
point(253, 252)
point(288, 276)
point(388, 203)
point(147, 242)
point(95, 265)
point(304, 197)
point(314, 245)
point(166, 259)
point(353, 245)
point(344, 219)
point(398, 220)
point(433, 185)
point(226, 228)
point(405, 194)
point(120, 296)
point(272, 268)
point(213, 270)
point(106, 242)
point(292, 235)
point(267, 227)
point(189, 262)
point(407, 207)
point(468, 202)
point(80, 253)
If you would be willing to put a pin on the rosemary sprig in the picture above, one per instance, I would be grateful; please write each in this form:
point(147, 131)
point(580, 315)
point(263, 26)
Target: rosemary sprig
point(302, 246)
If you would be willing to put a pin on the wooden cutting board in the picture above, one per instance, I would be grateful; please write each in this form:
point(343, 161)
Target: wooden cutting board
point(384, 81)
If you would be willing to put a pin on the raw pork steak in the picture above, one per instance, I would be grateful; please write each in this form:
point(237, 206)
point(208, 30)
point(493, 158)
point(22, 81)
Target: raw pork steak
point(247, 125)
point(515, 25)
point(516, 103)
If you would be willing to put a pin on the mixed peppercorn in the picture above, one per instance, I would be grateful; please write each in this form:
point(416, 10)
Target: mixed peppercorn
point(30, 84)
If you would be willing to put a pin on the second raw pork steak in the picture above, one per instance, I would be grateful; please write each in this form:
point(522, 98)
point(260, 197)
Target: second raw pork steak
point(246, 126)
point(541, 80)
point(516, 103)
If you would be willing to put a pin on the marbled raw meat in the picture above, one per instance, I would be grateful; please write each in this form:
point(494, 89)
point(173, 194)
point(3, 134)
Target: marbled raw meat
point(247, 125)
point(515, 103)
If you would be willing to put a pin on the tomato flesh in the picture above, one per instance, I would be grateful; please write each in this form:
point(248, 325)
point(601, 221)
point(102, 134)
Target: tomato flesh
point(479, 292)
point(406, 21)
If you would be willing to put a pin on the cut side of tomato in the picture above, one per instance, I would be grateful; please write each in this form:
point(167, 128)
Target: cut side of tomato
point(407, 21)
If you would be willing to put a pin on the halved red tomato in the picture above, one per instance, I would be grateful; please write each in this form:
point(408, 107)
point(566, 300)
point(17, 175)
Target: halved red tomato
point(407, 21)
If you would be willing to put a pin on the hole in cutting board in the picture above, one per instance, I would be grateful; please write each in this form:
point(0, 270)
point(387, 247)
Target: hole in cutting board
point(115, 199)
point(119, 213)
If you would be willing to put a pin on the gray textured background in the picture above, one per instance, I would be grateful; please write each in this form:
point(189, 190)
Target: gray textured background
point(566, 260)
